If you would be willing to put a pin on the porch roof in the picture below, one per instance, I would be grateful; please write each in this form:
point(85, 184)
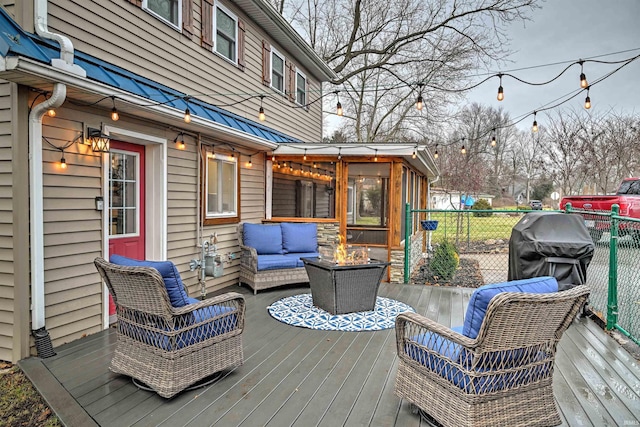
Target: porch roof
point(417, 155)
point(17, 44)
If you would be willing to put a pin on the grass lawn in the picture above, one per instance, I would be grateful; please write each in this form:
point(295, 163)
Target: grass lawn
point(465, 226)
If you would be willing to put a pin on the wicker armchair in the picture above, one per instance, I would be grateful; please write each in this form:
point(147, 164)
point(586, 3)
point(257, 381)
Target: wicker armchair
point(503, 377)
point(170, 348)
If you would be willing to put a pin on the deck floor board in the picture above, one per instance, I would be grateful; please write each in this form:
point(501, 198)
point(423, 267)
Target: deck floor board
point(300, 377)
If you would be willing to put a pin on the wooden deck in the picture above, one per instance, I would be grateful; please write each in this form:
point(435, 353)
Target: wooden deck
point(300, 377)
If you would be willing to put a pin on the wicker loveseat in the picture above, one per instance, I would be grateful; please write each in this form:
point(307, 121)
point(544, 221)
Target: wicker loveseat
point(271, 253)
point(167, 340)
point(497, 369)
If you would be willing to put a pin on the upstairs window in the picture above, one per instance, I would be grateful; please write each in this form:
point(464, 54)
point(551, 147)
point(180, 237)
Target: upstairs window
point(169, 11)
point(277, 71)
point(226, 33)
point(301, 88)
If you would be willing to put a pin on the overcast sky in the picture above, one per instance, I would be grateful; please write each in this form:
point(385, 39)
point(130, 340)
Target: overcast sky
point(565, 31)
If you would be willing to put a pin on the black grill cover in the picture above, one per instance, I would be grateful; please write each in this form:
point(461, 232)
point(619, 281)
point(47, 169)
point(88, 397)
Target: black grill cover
point(539, 236)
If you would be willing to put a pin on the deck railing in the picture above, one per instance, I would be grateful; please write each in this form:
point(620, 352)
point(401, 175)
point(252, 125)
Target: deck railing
point(482, 239)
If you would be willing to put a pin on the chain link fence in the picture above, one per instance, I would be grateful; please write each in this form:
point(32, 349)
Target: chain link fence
point(482, 241)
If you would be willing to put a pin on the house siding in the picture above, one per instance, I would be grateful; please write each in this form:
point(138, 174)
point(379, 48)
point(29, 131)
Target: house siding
point(173, 59)
point(6, 225)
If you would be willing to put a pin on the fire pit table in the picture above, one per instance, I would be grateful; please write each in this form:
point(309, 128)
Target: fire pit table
point(341, 289)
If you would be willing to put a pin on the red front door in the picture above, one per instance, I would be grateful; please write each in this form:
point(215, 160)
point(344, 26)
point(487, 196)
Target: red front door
point(126, 200)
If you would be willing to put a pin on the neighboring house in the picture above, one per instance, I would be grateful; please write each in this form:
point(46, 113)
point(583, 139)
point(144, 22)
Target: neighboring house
point(451, 199)
point(75, 184)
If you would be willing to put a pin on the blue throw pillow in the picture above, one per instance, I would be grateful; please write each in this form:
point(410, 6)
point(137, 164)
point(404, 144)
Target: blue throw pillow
point(480, 299)
point(169, 272)
point(299, 237)
point(266, 239)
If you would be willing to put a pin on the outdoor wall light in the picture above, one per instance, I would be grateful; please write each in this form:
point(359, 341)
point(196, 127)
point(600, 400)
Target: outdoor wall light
point(99, 141)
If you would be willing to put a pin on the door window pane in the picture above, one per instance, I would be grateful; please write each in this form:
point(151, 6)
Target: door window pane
point(123, 193)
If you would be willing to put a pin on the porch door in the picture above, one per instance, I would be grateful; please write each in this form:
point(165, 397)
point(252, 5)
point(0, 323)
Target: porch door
point(126, 200)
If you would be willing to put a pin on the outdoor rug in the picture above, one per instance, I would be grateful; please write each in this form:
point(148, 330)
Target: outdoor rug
point(298, 310)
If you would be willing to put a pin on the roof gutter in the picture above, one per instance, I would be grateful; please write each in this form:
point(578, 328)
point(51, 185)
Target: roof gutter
point(58, 95)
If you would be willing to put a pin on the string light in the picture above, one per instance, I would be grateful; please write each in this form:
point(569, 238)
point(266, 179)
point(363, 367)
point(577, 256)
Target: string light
point(435, 154)
point(273, 157)
point(587, 100)
point(583, 78)
point(63, 162)
point(187, 115)
point(114, 111)
point(305, 155)
point(261, 114)
point(249, 163)
point(375, 158)
point(414, 155)
point(339, 111)
point(463, 150)
point(534, 128)
point(180, 141)
point(51, 112)
point(420, 101)
point(493, 138)
point(339, 153)
point(500, 89)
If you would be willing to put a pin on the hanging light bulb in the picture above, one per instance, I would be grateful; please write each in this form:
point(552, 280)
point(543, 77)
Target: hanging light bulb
point(305, 155)
point(534, 128)
point(63, 162)
point(414, 155)
point(114, 111)
point(180, 141)
point(419, 103)
point(261, 114)
point(463, 150)
point(249, 163)
point(187, 115)
point(339, 153)
point(51, 112)
point(587, 101)
point(435, 154)
point(583, 77)
point(339, 111)
point(375, 157)
point(273, 157)
point(500, 89)
point(493, 139)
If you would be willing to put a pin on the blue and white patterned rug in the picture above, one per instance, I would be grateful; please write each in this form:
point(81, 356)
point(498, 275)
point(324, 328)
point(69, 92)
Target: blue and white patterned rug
point(298, 310)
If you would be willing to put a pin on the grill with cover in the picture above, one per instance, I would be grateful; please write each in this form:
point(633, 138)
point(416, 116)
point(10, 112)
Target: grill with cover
point(551, 244)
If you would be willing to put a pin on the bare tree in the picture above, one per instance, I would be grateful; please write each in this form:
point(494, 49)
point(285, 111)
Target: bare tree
point(385, 54)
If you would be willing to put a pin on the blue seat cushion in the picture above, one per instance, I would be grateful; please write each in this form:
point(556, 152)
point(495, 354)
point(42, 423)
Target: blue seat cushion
point(454, 362)
point(480, 299)
point(170, 274)
point(265, 239)
point(297, 257)
point(299, 237)
point(189, 337)
point(275, 262)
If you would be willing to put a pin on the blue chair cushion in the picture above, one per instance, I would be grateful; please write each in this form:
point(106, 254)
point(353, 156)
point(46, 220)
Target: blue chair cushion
point(266, 239)
point(297, 257)
point(170, 274)
point(275, 262)
point(299, 237)
point(190, 336)
point(480, 299)
point(451, 357)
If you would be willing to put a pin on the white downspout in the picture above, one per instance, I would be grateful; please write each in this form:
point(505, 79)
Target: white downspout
point(56, 99)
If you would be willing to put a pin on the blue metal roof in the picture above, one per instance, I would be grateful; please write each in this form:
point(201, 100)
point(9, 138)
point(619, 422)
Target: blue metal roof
point(14, 41)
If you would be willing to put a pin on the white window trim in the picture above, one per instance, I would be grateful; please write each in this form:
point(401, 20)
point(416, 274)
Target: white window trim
point(217, 5)
point(306, 88)
point(145, 7)
point(274, 51)
point(230, 214)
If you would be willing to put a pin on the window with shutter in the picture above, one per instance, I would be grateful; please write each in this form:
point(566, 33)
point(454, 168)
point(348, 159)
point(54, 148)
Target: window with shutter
point(206, 40)
point(241, 35)
point(301, 88)
point(226, 33)
point(169, 11)
point(277, 70)
point(187, 18)
point(291, 80)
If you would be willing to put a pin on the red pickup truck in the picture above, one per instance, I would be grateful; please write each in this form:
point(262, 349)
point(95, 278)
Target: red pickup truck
point(627, 197)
